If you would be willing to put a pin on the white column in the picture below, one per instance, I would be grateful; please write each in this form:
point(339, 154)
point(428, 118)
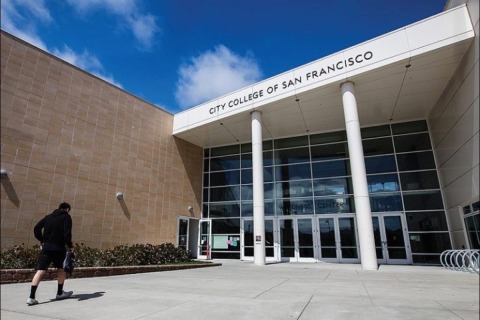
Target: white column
point(258, 203)
point(368, 254)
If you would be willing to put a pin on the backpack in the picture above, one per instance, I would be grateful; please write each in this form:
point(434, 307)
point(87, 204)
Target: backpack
point(68, 263)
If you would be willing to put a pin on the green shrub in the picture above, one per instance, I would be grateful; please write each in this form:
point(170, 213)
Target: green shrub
point(20, 257)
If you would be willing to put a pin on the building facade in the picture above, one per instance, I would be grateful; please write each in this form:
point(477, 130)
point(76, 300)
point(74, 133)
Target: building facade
point(369, 155)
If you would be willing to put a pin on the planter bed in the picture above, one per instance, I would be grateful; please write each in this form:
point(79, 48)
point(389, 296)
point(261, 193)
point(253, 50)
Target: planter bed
point(26, 275)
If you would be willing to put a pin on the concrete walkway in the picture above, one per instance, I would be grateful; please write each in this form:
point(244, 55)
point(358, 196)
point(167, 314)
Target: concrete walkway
point(242, 290)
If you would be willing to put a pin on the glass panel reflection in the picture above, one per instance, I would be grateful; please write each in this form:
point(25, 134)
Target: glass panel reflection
point(383, 183)
point(412, 142)
point(419, 180)
point(334, 205)
point(293, 172)
point(299, 188)
point(348, 238)
point(327, 238)
point(415, 161)
point(328, 169)
point(377, 146)
point(380, 164)
point(326, 187)
point(289, 156)
point(287, 243)
point(329, 151)
point(305, 237)
point(294, 206)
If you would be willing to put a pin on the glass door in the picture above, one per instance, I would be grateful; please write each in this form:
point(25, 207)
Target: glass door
point(296, 239)
point(204, 247)
point(247, 244)
point(390, 235)
point(338, 239)
point(182, 233)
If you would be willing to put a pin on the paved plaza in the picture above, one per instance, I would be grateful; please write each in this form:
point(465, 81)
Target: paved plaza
point(242, 290)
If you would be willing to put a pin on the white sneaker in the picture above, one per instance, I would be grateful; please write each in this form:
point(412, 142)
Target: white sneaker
point(64, 295)
point(31, 301)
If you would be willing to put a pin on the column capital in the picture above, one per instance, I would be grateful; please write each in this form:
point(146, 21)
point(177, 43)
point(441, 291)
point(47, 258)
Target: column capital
point(256, 111)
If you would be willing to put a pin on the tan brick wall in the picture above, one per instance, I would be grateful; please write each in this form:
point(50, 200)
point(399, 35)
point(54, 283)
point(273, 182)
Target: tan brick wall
point(69, 136)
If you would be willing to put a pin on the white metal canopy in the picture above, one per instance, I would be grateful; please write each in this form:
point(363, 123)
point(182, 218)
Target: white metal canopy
point(398, 77)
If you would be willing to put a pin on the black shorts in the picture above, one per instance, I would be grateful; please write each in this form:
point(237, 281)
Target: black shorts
point(48, 256)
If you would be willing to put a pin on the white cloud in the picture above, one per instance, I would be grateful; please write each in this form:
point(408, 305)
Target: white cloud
point(17, 12)
point(85, 61)
point(143, 26)
point(214, 73)
point(20, 18)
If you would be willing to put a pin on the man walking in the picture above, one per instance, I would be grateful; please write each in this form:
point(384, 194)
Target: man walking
point(55, 238)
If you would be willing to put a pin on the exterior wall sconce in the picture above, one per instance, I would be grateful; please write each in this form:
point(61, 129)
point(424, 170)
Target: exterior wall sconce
point(190, 209)
point(119, 196)
point(3, 173)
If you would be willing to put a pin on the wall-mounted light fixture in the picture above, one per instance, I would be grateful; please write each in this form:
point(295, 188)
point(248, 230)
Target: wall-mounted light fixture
point(119, 196)
point(3, 173)
point(190, 209)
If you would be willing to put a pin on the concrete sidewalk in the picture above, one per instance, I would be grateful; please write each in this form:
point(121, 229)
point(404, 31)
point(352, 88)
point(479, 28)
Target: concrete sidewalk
point(242, 290)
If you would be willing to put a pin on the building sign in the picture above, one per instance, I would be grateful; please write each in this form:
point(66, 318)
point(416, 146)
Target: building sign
point(306, 77)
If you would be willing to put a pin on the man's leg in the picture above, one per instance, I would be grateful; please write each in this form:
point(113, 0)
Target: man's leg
point(33, 289)
point(61, 280)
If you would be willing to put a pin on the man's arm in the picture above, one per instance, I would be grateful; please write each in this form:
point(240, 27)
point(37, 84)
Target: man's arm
point(37, 230)
point(67, 231)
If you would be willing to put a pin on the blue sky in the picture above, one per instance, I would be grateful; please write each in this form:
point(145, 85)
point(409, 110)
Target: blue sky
point(179, 53)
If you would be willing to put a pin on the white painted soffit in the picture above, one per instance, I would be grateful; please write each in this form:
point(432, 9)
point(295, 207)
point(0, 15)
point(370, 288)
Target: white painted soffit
point(447, 34)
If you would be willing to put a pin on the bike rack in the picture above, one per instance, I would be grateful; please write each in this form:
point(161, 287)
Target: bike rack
point(461, 260)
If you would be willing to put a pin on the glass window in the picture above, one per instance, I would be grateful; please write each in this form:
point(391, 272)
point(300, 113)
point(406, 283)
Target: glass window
point(291, 142)
point(206, 153)
point(429, 242)
point(339, 204)
point(328, 169)
point(288, 156)
point(467, 209)
point(373, 132)
point(294, 206)
point(372, 147)
point(247, 192)
point(246, 147)
point(383, 183)
point(269, 207)
point(223, 151)
point(247, 176)
point(476, 206)
point(267, 174)
point(268, 158)
point(292, 189)
point(205, 211)
point(225, 178)
point(225, 163)
point(328, 187)
point(292, 172)
point(409, 127)
point(224, 194)
point(330, 151)
point(412, 142)
point(415, 161)
point(427, 221)
point(328, 137)
point(224, 210)
point(223, 226)
point(472, 224)
point(386, 202)
point(206, 163)
point(268, 191)
point(426, 258)
point(268, 145)
point(205, 194)
point(419, 180)
point(423, 200)
point(247, 208)
point(246, 161)
point(380, 164)
point(206, 180)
